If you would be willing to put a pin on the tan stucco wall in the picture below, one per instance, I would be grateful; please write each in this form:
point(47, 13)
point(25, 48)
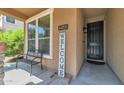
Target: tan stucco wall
point(74, 40)
point(79, 40)
point(115, 45)
point(64, 16)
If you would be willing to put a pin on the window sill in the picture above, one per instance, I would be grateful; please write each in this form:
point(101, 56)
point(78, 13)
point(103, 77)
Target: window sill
point(47, 56)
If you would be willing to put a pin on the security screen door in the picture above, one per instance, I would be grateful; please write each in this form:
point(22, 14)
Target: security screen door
point(95, 41)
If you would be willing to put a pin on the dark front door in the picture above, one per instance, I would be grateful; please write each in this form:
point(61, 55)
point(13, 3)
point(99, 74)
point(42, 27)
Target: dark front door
point(95, 49)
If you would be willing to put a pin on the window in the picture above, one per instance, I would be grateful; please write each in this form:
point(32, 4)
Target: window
point(44, 34)
point(31, 36)
point(39, 34)
point(10, 19)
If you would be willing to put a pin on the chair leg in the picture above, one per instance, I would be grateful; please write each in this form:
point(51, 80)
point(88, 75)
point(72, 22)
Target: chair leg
point(31, 70)
point(16, 65)
point(41, 66)
point(3, 67)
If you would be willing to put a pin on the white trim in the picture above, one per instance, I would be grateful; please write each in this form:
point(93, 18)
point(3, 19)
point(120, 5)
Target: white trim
point(35, 18)
point(36, 35)
point(1, 21)
point(95, 19)
point(41, 14)
point(26, 39)
point(44, 38)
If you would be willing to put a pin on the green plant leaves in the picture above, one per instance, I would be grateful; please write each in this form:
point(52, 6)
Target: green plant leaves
point(14, 41)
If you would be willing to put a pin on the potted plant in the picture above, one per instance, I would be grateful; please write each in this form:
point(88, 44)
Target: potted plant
point(2, 47)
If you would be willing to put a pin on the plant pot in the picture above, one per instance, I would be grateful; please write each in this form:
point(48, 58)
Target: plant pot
point(2, 47)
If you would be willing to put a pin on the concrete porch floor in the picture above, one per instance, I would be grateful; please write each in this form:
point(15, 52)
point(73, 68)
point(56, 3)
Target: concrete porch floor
point(21, 76)
point(92, 74)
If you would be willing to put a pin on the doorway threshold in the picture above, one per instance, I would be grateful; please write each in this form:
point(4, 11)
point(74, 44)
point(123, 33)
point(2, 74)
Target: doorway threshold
point(97, 62)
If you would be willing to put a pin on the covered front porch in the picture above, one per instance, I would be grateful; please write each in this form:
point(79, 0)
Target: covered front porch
point(42, 32)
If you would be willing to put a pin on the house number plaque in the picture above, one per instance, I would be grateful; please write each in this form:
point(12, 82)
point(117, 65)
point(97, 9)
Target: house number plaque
point(63, 27)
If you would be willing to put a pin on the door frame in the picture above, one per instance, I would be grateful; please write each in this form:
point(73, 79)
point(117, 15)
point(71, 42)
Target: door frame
point(95, 19)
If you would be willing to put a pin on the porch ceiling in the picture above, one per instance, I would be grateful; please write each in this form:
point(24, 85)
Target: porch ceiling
point(25, 13)
point(92, 12)
point(21, 13)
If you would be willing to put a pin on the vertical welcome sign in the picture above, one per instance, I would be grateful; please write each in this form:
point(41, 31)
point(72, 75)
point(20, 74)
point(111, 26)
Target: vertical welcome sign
point(61, 67)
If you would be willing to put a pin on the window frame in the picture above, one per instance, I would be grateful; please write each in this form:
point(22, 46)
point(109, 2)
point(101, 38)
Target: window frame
point(31, 39)
point(9, 21)
point(35, 18)
point(46, 37)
